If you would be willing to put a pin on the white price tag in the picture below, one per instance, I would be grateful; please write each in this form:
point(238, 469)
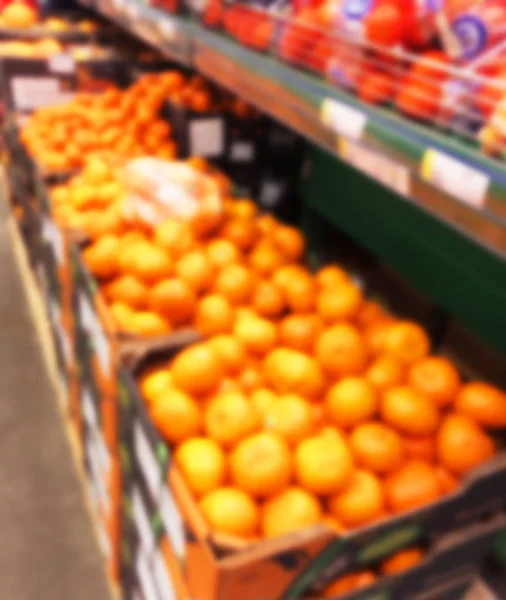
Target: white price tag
point(388, 172)
point(455, 178)
point(242, 152)
point(94, 328)
point(145, 577)
point(61, 63)
point(162, 577)
point(173, 522)
point(270, 193)
point(89, 411)
point(30, 93)
point(207, 137)
point(142, 522)
point(148, 464)
point(343, 119)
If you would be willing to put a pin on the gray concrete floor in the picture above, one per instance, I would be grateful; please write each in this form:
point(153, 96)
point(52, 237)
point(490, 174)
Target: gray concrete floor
point(47, 547)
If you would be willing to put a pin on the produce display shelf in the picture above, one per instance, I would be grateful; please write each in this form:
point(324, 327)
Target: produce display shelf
point(440, 174)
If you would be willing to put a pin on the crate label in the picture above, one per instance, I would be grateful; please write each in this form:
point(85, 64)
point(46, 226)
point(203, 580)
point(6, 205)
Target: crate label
point(94, 328)
point(53, 236)
point(145, 577)
point(388, 172)
point(343, 119)
point(455, 178)
point(61, 63)
point(162, 577)
point(30, 93)
point(243, 152)
point(173, 522)
point(89, 411)
point(142, 521)
point(147, 461)
point(207, 137)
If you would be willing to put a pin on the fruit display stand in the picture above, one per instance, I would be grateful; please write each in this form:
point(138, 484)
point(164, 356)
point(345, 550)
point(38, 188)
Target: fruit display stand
point(156, 540)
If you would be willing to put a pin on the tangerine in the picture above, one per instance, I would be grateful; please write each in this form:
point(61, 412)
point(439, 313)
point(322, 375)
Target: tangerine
point(214, 315)
point(483, 403)
point(339, 303)
point(402, 561)
point(231, 511)
point(300, 332)
point(289, 241)
point(174, 299)
point(221, 253)
point(290, 371)
point(409, 411)
point(291, 417)
point(377, 448)
point(197, 370)
point(331, 276)
point(351, 401)
point(268, 300)
point(202, 463)
point(231, 350)
point(176, 416)
point(361, 502)
point(416, 484)
point(235, 283)
point(290, 511)
point(258, 335)
point(262, 464)
point(406, 341)
point(127, 290)
point(230, 417)
point(436, 378)
point(196, 269)
point(341, 351)
point(385, 372)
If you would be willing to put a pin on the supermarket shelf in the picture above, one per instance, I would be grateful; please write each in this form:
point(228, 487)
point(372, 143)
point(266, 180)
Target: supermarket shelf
point(451, 181)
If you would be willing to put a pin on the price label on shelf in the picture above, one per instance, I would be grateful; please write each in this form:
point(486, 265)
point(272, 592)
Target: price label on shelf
point(62, 63)
point(168, 29)
point(388, 172)
point(456, 178)
point(343, 119)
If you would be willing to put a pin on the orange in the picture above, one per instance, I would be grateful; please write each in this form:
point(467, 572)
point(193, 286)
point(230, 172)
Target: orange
point(421, 448)
point(300, 293)
point(121, 315)
point(151, 264)
point(462, 444)
point(368, 313)
point(101, 257)
point(202, 464)
point(331, 276)
point(231, 511)
point(409, 411)
point(483, 403)
point(385, 372)
point(406, 341)
point(341, 351)
point(176, 416)
point(221, 253)
point(268, 300)
point(242, 209)
point(377, 448)
point(334, 524)
point(339, 303)
point(375, 333)
point(196, 269)
point(361, 502)
point(235, 283)
point(290, 511)
point(263, 400)
point(258, 335)
point(154, 383)
point(243, 233)
point(250, 378)
point(266, 223)
point(416, 484)
point(231, 351)
point(291, 417)
point(447, 481)
point(323, 463)
point(438, 379)
point(285, 274)
point(300, 332)
point(262, 464)
point(146, 323)
point(289, 241)
point(127, 290)
point(265, 260)
point(290, 371)
point(176, 237)
point(214, 315)
point(197, 370)
point(350, 583)
point(402, 561)
point(351, 401)
point(174, 299)
point(230, 417)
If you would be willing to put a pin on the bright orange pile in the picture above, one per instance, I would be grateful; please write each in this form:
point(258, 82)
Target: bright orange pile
point(307, 403)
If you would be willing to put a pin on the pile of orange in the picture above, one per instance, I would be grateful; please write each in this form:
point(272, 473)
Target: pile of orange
point(307, 403)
